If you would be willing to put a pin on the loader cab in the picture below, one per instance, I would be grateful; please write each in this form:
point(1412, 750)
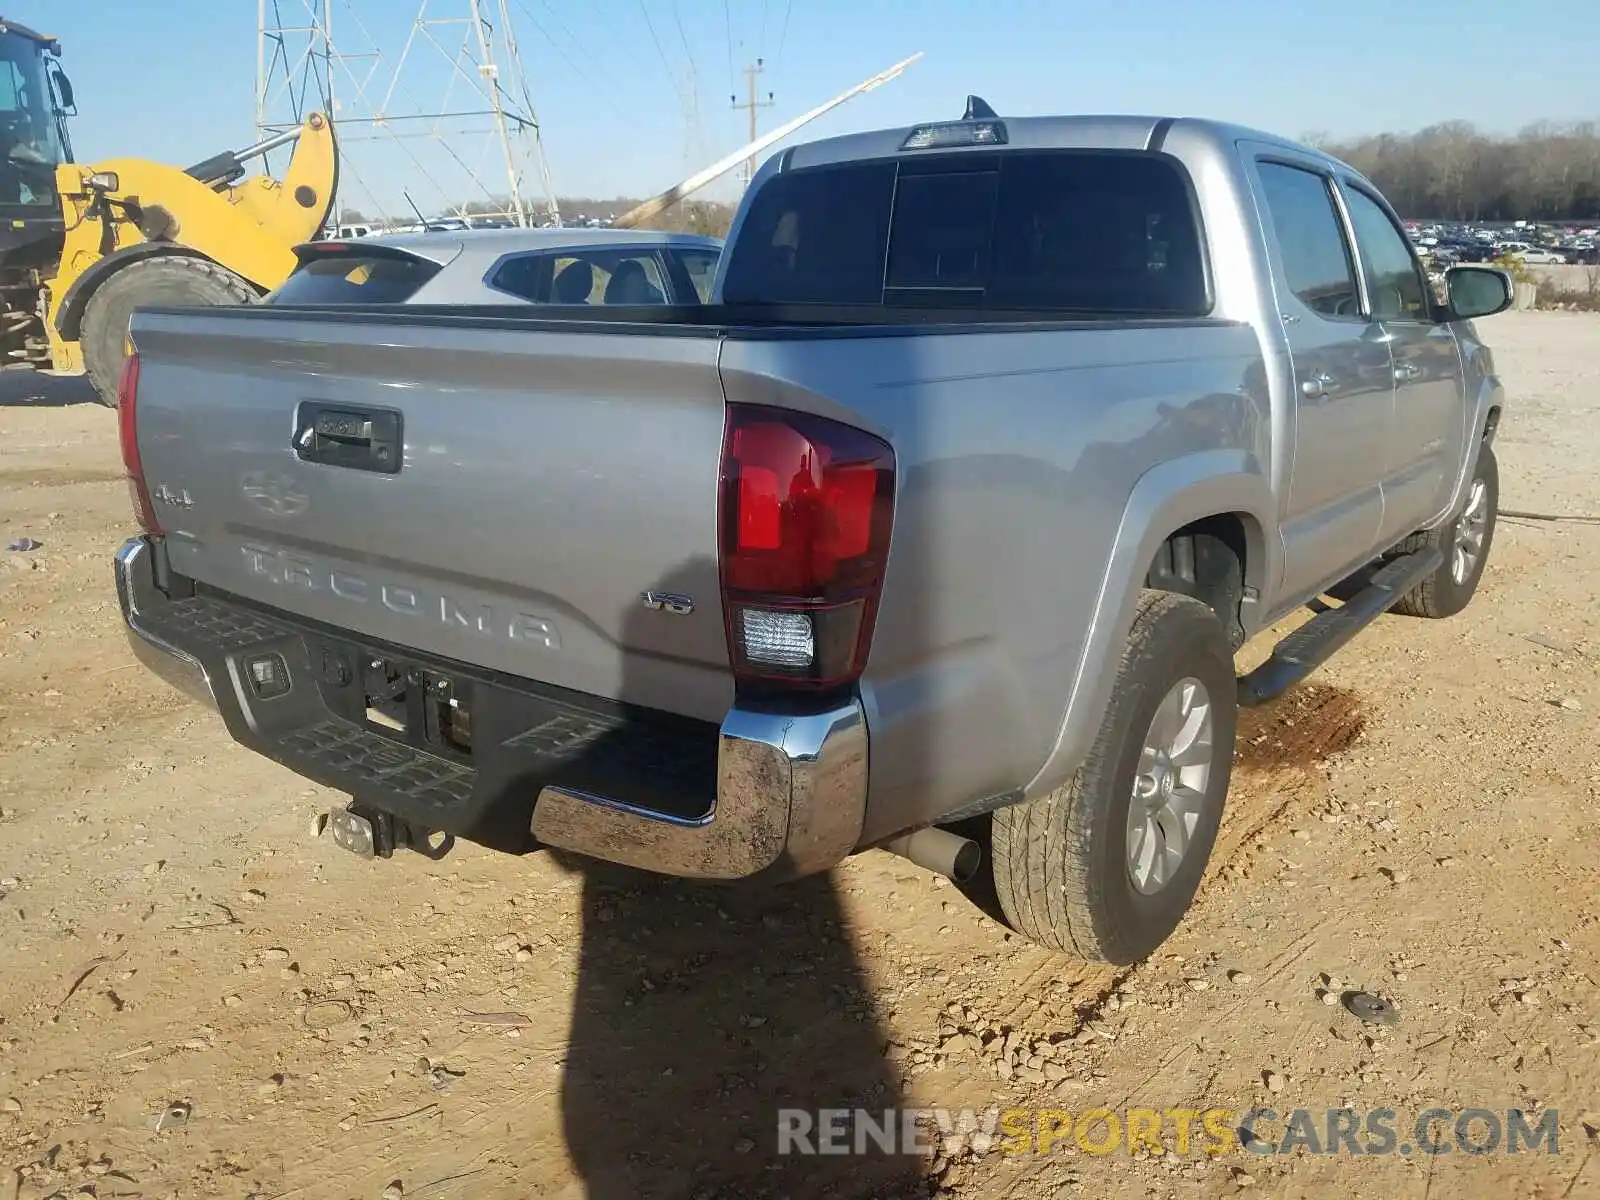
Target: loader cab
point(35, 101)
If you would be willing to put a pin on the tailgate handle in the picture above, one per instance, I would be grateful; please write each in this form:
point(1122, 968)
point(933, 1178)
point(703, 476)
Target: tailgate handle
point(358, 439)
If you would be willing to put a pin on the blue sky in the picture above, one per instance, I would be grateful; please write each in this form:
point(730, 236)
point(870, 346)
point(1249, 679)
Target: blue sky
point(174, 79)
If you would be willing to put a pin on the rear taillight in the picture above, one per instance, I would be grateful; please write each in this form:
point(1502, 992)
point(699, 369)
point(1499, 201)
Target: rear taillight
point(128, 432)
point(806, 507)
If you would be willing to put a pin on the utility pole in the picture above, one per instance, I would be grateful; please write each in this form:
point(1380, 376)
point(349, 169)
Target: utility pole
point(750, 106)
point(660, 203)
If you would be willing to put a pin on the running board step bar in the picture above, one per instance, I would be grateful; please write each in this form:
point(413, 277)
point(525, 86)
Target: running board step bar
point(1309, 646)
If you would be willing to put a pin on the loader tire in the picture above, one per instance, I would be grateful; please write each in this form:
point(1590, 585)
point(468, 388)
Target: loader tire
point(180, 279)
point(1105, 866)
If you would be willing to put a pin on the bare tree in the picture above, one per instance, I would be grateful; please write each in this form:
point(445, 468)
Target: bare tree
point(1453, 171)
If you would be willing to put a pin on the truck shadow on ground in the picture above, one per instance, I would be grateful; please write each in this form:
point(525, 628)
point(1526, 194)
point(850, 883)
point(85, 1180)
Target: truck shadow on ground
point(701, 1011)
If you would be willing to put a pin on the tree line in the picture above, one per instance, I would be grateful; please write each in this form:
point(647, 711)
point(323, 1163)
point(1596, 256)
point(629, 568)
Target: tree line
point(1456, 172)
point(689, 216)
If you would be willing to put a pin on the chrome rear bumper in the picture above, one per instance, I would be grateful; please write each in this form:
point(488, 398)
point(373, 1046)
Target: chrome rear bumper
point(136, 591)
point(791, 795)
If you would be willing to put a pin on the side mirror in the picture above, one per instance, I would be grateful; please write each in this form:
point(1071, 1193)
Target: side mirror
point(1477, 292)
point(64, 89)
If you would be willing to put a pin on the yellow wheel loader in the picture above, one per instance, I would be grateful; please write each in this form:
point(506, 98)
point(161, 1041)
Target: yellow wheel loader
point(81, 245)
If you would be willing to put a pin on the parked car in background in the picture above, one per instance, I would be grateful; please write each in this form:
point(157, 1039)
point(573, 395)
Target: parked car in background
point(1539, 256)
point(506, 266)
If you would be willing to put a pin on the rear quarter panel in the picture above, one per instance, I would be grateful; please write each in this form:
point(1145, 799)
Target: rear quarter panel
point(1019, 525)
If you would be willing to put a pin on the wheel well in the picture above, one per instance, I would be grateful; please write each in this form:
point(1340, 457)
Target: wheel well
point(1208, 559)
point(1490, 424)
point(69, 322)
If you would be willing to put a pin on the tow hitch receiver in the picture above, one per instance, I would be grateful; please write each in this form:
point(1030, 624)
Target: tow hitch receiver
point(372, 833)
point(355, 833)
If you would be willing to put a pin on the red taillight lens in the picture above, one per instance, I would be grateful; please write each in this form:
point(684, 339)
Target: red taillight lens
point(806, 509)
point(128, 433)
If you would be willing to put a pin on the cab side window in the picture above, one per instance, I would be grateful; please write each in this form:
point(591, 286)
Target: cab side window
point(1310, 237)
point(1399, 291)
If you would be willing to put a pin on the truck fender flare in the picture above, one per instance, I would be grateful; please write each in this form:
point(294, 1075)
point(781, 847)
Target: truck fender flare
point(69, 321)
point(1491, 396)
point(1165, 499)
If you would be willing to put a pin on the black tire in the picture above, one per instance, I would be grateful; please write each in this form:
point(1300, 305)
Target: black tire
point(1442, 594)
point(167, 279)
point(1061, 868)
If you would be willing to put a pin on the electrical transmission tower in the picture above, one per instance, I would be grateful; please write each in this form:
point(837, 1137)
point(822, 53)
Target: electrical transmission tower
point(694, 142)
point(446, 124)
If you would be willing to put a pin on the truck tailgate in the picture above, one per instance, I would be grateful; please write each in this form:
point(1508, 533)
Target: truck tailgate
point(539, 483)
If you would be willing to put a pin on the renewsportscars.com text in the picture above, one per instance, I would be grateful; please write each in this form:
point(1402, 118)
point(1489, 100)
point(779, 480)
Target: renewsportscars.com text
point(1184, 1131)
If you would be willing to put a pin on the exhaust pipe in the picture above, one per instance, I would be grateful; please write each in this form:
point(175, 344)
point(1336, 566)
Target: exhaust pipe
point(940, 851)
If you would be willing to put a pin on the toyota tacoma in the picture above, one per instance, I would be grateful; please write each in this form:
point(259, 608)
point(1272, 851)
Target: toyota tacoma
point(939, 528)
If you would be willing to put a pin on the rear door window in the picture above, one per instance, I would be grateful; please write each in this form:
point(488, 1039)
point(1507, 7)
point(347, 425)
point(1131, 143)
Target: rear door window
point(582, 277)
point(525, 276)
point(1076, 232)
point(331, 278)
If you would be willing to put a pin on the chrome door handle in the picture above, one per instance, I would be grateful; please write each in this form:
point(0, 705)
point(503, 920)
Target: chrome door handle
point(1407, 373)
point(1316, 385)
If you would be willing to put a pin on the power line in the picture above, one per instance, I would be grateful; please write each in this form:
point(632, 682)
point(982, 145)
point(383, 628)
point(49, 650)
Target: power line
point(617, 37)
point(677, 16)
point(783, 34)
point(650, 25)
point(560, 24)
point(605, 88)
point(690, 88)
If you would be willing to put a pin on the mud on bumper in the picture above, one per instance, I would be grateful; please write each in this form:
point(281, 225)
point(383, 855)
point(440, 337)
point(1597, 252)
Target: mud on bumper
point(772, 793)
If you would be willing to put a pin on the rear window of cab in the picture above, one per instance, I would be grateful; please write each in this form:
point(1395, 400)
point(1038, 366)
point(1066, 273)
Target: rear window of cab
point(1090, 232)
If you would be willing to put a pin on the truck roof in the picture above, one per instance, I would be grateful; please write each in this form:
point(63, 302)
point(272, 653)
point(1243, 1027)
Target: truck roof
point(1087, 132)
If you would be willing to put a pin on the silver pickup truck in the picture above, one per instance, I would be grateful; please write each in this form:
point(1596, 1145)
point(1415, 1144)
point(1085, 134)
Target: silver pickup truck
point(937, 530)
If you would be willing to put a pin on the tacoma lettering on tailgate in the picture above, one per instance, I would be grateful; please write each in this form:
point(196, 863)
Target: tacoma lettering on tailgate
point(289, 571)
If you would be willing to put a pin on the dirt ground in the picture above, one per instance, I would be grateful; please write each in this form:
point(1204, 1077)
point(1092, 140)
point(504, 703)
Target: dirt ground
point(198, 997)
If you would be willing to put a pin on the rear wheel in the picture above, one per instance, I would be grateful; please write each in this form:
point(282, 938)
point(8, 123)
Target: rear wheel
point(1464, 542)
point(1105, 866)
point(167, 279)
